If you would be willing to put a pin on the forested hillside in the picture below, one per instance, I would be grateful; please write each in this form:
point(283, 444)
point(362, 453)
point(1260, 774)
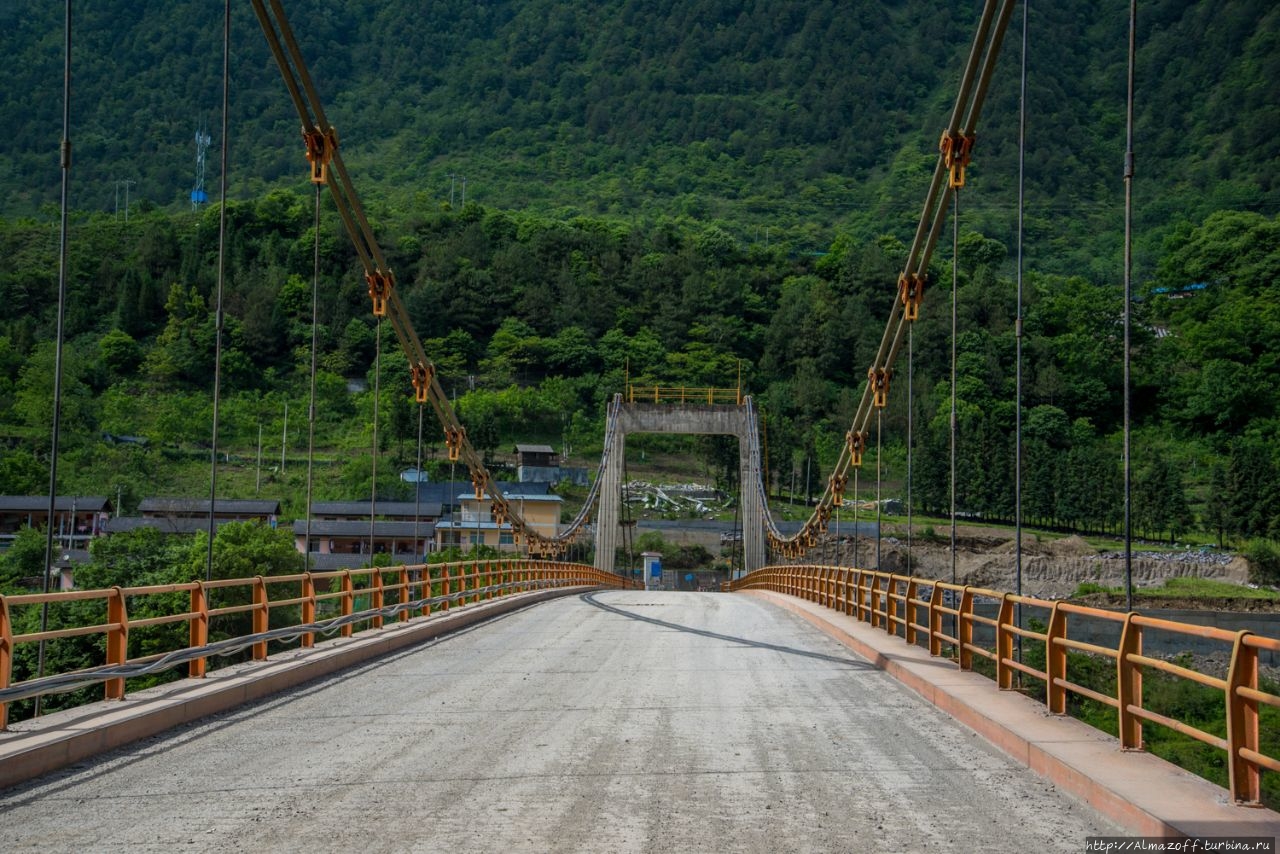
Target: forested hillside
point(805, 119)
point(665, 190)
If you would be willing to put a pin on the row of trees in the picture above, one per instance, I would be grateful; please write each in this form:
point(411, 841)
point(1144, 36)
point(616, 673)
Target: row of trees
point(535, 322)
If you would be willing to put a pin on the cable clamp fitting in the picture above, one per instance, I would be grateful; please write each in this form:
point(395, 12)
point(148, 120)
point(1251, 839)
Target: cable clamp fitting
point(453, 440)
point(380, 286)
point(321, 146)
point(956, 150)
point(911, 292)
point(879, 379)
point(838, 483)
point(857, 443)
point(422, 375)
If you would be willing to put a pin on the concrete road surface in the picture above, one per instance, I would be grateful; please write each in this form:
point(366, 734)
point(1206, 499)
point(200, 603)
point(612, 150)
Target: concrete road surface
point(609, 722)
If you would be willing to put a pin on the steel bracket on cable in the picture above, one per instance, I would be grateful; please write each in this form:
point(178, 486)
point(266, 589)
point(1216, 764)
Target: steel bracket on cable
point(453, 441)
point(321, 146)
point(380, 286)
point(838, 484)
point(911, 292)
point(956, 149)
point(857, 442)
point(879, 379)
point(422, 374)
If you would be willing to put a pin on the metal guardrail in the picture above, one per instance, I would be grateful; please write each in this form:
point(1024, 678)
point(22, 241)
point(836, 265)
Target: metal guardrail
point(683, 395)
point(898, 604)
point(391, 592)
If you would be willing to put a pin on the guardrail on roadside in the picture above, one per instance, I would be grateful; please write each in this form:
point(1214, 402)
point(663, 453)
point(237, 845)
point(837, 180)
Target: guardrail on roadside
point(390, 592)
point(896, 604)
point(683, 395)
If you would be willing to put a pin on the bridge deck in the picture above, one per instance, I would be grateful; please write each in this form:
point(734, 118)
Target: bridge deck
point(621, 721)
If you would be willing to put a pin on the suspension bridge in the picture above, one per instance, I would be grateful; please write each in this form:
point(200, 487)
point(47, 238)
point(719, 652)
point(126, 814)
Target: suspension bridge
point(536, 703)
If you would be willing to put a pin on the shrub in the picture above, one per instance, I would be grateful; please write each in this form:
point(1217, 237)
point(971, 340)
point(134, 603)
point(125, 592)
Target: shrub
point(1264, 561)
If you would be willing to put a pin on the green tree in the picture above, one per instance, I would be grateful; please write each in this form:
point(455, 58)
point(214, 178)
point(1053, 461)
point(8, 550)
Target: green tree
point(23, 559)
point(21, 473)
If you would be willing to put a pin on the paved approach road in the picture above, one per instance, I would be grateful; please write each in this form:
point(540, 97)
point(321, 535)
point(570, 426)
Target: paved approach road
point(612, 721)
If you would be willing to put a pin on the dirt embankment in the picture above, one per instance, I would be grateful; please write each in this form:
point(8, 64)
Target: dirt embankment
point(1056, 568)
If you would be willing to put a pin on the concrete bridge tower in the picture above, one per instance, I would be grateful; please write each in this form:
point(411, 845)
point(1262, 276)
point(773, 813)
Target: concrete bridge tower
point(706, 419)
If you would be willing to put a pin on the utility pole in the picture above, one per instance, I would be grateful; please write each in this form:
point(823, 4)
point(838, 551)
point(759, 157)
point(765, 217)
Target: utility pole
point(127, 182)
point(284, 436)
point(257, 485)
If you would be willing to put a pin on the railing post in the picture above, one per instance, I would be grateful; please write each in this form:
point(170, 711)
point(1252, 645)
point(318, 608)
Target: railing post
point(1004, 644)
point(964, 629)
point(261, 616)
point(6, 658)
point(909, 609)
point(117, 641)
point(1129, 684)
point(891, 605)
point(1055, 661)
point(376, 599)
point(935, 620)
point(1242, 722)
point(875, 601)
point(427, 590)
point(308, 608)
point(444, 587)
point(198, 629)
point(405, 596)
point(348, 602)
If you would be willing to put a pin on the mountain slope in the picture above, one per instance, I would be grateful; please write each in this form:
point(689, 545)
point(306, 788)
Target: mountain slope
point(804, 118)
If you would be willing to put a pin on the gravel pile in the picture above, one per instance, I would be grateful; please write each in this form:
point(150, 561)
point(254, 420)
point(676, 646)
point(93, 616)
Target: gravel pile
point(1196, 557)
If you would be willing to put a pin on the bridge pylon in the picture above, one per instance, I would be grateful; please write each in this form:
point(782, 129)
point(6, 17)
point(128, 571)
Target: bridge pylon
point(687, 418)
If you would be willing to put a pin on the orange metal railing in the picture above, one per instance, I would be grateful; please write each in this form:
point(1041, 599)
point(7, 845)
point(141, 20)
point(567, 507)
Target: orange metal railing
point(894, 603)
point(326, 602)
point(683, 395)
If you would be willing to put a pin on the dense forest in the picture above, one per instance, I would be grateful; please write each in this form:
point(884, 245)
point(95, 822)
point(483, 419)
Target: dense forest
point(802, 121)
point(672, 193)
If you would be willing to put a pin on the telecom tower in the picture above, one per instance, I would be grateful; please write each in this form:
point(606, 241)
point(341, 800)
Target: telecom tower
point(198, 195)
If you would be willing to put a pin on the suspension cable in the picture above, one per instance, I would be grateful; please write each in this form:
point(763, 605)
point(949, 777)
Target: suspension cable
point(911, 337)
point(955, 300)
point(627, 528)
point(65, 162)
point(373, 478)
point(949, 172)
point(222, 277)
point(419, 552)
point(856, 470)
point(311, 410)
point(1128, 311)
point(879, 504)
point(839, 504)
point(322, 150)
point(1018, 330)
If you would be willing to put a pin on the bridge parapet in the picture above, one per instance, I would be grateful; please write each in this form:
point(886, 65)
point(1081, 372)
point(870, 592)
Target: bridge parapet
point(174, 621)
point(941, 617)
point(684, 394)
